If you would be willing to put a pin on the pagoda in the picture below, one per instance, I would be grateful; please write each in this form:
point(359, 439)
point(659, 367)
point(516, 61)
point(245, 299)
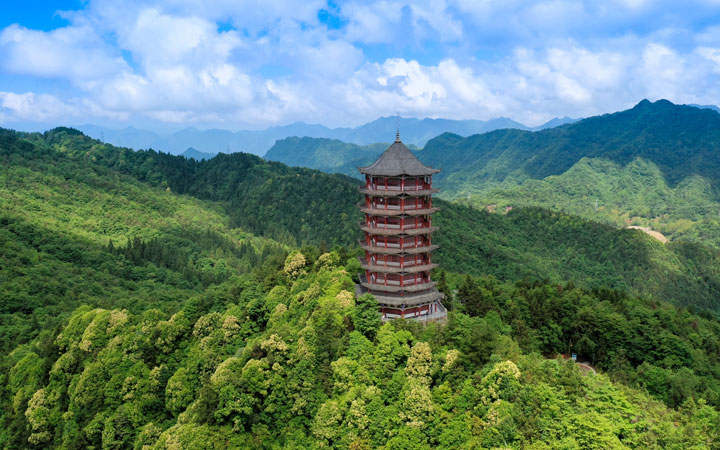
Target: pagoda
point(398, 236)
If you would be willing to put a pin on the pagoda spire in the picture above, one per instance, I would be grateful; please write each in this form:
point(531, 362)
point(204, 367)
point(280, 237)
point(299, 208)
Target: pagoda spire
point(397, 127)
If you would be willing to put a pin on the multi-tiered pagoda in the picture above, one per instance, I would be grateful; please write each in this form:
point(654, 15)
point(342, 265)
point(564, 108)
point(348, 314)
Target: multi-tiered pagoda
point(398, 236)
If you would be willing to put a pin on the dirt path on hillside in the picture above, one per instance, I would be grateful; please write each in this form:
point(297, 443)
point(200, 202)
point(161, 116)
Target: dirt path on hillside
point(650, 232)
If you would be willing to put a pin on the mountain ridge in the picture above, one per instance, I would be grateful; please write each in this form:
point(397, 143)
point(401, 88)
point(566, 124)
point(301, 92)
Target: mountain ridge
point(299, 206)
point(415, 131)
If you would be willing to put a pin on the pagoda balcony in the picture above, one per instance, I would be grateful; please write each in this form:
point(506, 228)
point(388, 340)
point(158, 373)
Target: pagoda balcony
point(396, 288)
point(412, 192)
point(401, 298)
point(396, 249)
point(396, 211)
point(395, 230)
point(407, 267)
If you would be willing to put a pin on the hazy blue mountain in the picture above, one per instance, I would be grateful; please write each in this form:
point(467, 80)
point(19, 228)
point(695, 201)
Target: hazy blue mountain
point(555, 122)
point(419, 131)
point(130, 137)
point(328, 155)
point(197, 155)
point(208, 141)
point(413, 131)
point(712, 107)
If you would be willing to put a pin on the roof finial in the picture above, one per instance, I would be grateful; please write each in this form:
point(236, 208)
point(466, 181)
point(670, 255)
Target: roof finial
point(397, 126)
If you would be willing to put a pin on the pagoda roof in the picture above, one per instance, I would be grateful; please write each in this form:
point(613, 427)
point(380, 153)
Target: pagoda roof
point(397, 160)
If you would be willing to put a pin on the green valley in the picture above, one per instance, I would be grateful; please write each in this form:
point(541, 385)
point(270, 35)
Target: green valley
point(655, 165)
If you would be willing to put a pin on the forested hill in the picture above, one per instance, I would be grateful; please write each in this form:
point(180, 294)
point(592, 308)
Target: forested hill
point(655, 165)
point(328, 155)
point(681, 140)
point(302, 206)
point(292, 205)
point(293, 361)
point(136, 317)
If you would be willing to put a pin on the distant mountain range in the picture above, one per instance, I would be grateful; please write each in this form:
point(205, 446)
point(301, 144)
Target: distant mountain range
point(414, 131)
point(681, 140)
point(657, 164)
point(713, 107)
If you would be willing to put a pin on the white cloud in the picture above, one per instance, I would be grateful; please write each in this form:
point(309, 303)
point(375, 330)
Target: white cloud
point(49, 108)
point(231, 62)
point(74, 52)
point(382, 21)
point(159, 39)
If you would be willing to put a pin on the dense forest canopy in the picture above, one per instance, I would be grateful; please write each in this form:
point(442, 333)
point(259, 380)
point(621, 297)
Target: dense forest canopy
point(150, 301)
point(291, 360)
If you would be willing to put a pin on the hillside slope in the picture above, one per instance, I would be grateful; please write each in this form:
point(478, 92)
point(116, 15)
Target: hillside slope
point(73, 232)
point(297, 363)
point(302, 206)
point(681, 140)
point(187, 332)
point(327, 155)
point(634, 194)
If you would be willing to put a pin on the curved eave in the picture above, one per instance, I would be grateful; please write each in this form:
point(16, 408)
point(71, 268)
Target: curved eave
point(398, 270)
point(396, 289)
point(397, 212)
point(368, 170)
point(408, 300)
point(383, 193)
point(398, 251)
point(397, 231)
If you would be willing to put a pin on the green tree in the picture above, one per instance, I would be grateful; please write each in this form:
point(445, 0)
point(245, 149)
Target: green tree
point(366, 316)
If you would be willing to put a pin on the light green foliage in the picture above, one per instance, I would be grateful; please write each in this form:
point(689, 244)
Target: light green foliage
point(308, 378)
point(635, 194)
point(74, 232)
point(180, 391)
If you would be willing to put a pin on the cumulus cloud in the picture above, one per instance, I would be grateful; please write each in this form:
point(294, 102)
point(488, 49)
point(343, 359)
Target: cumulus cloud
point(230, 63)
point(76, 52)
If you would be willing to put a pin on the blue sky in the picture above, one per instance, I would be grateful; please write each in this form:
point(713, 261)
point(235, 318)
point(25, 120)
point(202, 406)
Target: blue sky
point(243, 64)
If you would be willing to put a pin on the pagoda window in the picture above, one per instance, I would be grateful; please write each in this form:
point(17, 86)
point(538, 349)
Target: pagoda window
point(393, 242)
point(394, 184)
point(392, 222)
point(393, 261)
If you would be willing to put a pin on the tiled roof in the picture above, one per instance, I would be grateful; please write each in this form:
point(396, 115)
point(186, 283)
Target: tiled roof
point(397, 160)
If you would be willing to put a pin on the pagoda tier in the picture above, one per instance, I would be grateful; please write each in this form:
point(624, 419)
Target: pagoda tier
point(398, 236)
point(385, 250)
point(397, 212)
point(397, 193)
point(394, 269)
point(396, 231)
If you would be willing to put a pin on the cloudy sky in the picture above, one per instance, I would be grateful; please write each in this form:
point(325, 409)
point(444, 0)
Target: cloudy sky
point(240, 64)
